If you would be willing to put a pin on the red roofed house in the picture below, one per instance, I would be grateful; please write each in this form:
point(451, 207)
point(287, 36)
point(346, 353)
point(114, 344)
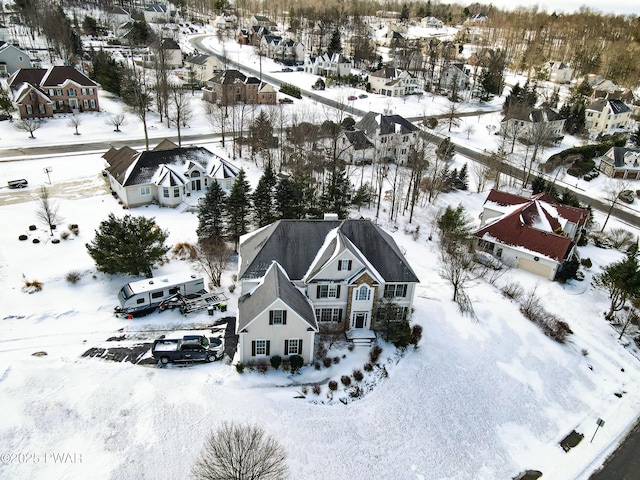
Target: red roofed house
point(41, 92)
point(535, 234)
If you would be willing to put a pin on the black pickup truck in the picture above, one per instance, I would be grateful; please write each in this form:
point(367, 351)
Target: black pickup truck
point(188, 348)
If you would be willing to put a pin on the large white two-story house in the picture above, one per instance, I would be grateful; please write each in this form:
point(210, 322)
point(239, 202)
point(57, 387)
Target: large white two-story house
point(393, 136)
point(300, 277)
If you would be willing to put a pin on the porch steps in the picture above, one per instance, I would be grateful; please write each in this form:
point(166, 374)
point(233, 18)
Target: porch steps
point(361, 342)
point(183, 207)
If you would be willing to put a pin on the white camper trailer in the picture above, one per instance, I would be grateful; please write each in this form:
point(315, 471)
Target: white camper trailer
point(145, 295)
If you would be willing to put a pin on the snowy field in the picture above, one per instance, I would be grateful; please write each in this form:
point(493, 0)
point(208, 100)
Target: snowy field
point(481, 399)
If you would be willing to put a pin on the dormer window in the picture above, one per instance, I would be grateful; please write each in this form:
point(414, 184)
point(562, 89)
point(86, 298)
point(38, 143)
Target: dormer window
point(344, 264)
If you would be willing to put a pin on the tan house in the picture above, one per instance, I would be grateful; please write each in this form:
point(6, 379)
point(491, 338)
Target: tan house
point(620, 162)
point(327, 276)
point(41, 93)
point(606, 116)
point(232, 87)
point(199, 68)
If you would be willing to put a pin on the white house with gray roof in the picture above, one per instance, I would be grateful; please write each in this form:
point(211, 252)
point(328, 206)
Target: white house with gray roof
point(341, 268)
point(166, 175)
point(393, 136)
point(607, 116)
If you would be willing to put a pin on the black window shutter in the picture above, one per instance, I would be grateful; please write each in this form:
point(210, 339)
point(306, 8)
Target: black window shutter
point(339, 264)
point(338, 292)
point(253, 348)
point(340, 317)
point(284, 317)
point(404, 290)
point(270, 317)
point(318, 291)
point(349, 265)
point(300, 347)
point(268, 345)
point(286, 347)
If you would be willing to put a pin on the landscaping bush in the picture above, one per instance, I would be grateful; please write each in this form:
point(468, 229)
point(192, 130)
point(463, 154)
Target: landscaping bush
point(295, 362)
point(321, 350)
point(367, 367)
point(184, 251)
point(32, 286)
point(586, 263)
point(336, 360)
point(291, 90)
point(32, 228)
point(317, 365)
point(73, 276)
point(346, 380)
point(549, 323)
point(374, 353)
point(620, 238)
point(64, 235)
point(513, 290)
point(357, 375)
point(601, 240)
point(430, 122)
point(416, 335)
point(276, 361)
point(22, 238)
point(326, 361)
point(55, 241)
point(239, 367)
point(355, 392)
point(262, 366)
point(333, 385)
point(316, 389)
point(35, 240)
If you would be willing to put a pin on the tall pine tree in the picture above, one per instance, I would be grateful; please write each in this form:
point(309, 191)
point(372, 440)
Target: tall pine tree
point(264, 198)
point(335, 44)
point(336, 195)
point(239, 207)
point(287, 198)
point(211, 214)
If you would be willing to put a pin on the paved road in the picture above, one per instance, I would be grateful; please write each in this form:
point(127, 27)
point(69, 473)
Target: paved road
point(624, 463)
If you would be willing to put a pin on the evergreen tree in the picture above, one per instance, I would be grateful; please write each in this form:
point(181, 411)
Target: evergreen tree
point(336, 195)
point(635, 137)
point(462, 180)
point(621, 280)
point(264, 205)
point(446, 149)
point(107, 72)
point(391, 322)
point(239, 207)
point(305, 194)
point(335, 44)
point(262, 132)
point(211, 214)
point(130, 245)
point(6, 102)
point(404, 14)
point(288, 198)
point(538, 185)
point(492, 77)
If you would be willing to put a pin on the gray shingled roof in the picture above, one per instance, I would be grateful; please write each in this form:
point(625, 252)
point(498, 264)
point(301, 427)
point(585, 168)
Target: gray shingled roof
point(619, 153)
point(387, 123)
point(616, 106)
point(294, 244)
point(358, 140)
point(275, 285)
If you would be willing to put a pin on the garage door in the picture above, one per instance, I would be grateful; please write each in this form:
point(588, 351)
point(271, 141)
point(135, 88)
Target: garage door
point(534, 267)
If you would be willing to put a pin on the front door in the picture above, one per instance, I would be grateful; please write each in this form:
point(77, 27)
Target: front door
point(360, 320)
point(195, 185)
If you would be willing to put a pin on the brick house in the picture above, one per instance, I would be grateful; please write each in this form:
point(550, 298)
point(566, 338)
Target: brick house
point(41, 93)
point(231, 87)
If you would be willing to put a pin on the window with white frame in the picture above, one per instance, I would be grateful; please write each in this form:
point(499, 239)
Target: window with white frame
point(176, 192)
point(328, 291)
point(59, 92)
point(84, 91)
point(85, 104)
point(91, 91)
point(165, 192)
point(51, 92)
point(329, 315)
point(71, 92)
point(145, 190)
point(260, 347)
point(395, 290)
point(363, 293)
point(293, 346)
point(92, 103)
point(344, 264)
point(29, 109)
point(41, 107)
point(277, 317)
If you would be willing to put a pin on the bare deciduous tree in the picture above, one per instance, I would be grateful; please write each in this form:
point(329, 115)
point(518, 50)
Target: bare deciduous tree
point(180, 108)
point(117, 121)
point(47, 211)
point(612, 190)
point(29, 126)
point(241, 452)
point(75, 122)
point(218, 118)
point(212, 256)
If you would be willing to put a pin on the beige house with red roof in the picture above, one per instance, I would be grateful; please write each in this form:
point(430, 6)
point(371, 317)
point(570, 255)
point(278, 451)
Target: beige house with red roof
point(42, 92)
point(535, 234)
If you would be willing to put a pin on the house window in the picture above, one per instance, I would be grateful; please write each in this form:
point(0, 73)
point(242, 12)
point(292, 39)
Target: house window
point(277, 317)
point(92, 103)
point(383, 140)
point(260, 348)
point(363, 293)
point(71, 92)
point(51, 92)
point(176, 192)
point(165, 192)
point(405, 138)
point(344, 265)
point(60, 103)
point(85, 104)
point(29, 109)
point(398, 313)
point(41, 108)
point(395, 290)
point(59, 92)
point(228, 184)
point(404, 151)
point(293, 346)
point(145, 190)
point(328, 291)
point(195, 174)
point(91, 91)
point(329, 315)
point(84, 91)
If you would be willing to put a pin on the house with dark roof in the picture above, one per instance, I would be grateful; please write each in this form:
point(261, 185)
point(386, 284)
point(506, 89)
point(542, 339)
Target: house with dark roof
point(200, 67)
point(535, 234)
point(41, 93)
point(455, 77)
point(334, 65)
point(166, 175)
point(354, 147)
point(393, 136)
point(560, 72)
point(607, 115)
point(157, 13)
point(620, 162)
point(340, 268)
point(393, 82)
point(530, 124)
point(275, 318)
point(231, 87)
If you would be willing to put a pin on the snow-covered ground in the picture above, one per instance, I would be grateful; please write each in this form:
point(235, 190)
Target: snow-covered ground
point(481, 399)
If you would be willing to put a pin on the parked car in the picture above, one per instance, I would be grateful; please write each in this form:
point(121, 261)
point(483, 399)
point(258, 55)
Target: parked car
point(285, 100)
point(287, 69)
point(352, 97)
point(363, 95)
point(299, 69)
point(626, 196)
point(188, 348)
point(20, 183)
